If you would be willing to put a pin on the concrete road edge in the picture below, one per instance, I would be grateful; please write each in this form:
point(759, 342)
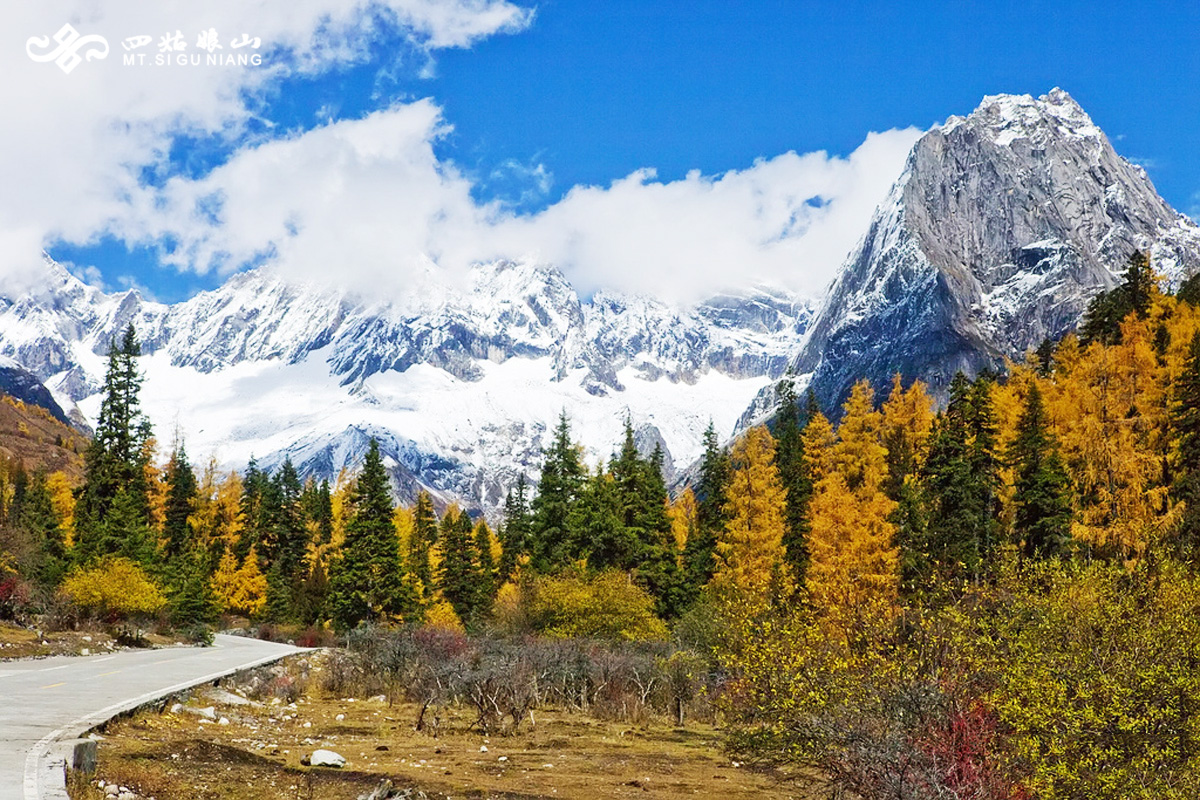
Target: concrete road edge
point(45, 777)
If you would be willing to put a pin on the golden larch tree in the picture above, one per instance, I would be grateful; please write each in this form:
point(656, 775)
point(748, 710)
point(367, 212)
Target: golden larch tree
point(750, 557)
point(853, 572)
point(684, 521)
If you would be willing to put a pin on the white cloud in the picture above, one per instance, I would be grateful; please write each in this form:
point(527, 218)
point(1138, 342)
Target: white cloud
point(73, 145)
point(368, 201)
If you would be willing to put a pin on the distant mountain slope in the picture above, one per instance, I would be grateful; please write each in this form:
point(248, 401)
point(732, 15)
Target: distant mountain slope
point(460, 384)
point(30, 435)
point(20, 383)
point(1001, 228)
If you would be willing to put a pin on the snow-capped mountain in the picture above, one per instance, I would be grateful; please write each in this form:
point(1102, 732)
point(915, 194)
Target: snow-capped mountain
point(459, 385)
point(1002, 227)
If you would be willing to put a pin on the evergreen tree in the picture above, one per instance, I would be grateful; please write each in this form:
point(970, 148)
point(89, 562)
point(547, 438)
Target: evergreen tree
point(1185, 424)
point(793, 472)
point(1102, 321)
point(192, 599)
point(514, 535)
point(961, 479)
point(424, 536)
point(310, 602)
point(599, 522)
point(710, 512)
point(181, 500)
point(316, 503)
point(36, 516)
point(1043, 516)
point(552, 542)
point(907, 424)
point(115, 461)
point(255, 488)
point(459, 575)
point(1189, 291)
point(365, 580)
point(123, 531)
point(287, 538)
point(486, 566)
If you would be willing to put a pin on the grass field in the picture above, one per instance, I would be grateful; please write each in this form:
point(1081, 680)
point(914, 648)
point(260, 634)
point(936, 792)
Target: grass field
point(254, 750)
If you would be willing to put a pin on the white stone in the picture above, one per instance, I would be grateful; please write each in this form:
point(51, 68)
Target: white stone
point(326, 758)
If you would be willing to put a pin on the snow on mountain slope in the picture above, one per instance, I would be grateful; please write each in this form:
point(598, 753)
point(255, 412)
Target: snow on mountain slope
point(1002, 227)
point(460, 385)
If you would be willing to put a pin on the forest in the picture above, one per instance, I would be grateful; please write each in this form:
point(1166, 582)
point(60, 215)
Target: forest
point(996, 596)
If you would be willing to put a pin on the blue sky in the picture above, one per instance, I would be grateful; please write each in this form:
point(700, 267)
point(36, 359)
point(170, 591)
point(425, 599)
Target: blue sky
point(586, 94)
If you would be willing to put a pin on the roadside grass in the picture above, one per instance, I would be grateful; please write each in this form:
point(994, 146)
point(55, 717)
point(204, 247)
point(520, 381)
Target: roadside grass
point(274, 719)
point(17, 641)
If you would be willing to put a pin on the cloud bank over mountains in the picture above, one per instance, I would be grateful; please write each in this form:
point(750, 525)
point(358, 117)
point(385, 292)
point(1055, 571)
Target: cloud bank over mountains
point(368, 201)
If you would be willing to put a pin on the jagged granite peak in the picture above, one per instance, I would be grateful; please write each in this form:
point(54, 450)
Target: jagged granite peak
point(458, 380)
point(1001, 228)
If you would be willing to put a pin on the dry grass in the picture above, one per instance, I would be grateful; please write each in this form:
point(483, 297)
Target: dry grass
point(17, 641)
point(258, 753)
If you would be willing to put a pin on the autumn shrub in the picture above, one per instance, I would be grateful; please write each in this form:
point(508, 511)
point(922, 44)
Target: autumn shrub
point(604, 606)
point(15, 596)
point(1092, 672)
point(503, 679)
point(113, 589)
point(1058, 680)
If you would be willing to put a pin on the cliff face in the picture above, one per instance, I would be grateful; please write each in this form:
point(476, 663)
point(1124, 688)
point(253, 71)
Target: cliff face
point(1000, 230)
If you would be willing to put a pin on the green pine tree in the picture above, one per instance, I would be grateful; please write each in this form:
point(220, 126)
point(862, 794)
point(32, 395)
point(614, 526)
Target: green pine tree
point(710, 512)
point(487, 567)
point(961, 481)
point(181, 497)
point(1043, 499)
point(552, 542)
point(365, 582)
point(1102, 321)
point(424, 536)
point(514, 534)
point(459, 575)
point(794, 472)
point(1185, 425)
point(115, 461)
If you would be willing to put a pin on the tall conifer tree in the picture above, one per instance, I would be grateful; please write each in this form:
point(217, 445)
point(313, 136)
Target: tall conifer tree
point(1185, 422)
point(365, 583)
point(1043, 518)
point(553, 543)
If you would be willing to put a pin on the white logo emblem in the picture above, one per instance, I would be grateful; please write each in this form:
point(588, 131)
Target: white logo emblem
point(70, 42)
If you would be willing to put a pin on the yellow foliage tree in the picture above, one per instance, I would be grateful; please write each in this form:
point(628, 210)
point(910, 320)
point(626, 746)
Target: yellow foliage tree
point(440, 614)
point(403, 520)
point(156, 485)
point(62, 500)
point(218, 517)
point(853, 572)
point(114, 588)
point(250, 587)
point(819, 440)
point(750, 557)
point(684, 520)
point(907, 419)
point(224, 581)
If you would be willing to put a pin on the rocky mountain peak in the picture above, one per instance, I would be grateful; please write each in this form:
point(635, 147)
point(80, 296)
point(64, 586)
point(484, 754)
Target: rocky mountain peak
point(1001, 228)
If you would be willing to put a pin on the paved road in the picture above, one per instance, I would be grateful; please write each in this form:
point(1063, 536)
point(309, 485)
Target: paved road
point(48, 700)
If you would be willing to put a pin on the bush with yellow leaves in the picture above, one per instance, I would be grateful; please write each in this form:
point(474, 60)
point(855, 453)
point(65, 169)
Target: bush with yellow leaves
point(112, 589)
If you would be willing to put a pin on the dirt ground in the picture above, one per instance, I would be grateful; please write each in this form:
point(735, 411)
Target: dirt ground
point(17, 641)
point(221, 744)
